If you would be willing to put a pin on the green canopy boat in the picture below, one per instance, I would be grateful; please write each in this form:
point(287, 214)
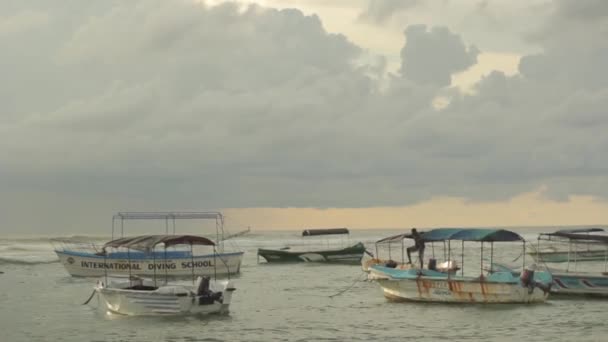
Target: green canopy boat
point(344, 255)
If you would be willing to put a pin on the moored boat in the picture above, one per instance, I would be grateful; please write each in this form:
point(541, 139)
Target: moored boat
point(492, 287)
point(565, 246)
point(583, 273)
point(85, 259)
point(344, 255)
point(138, 296)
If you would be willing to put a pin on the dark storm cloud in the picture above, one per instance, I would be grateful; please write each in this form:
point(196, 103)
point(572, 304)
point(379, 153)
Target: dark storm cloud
point(432, 56)
point(155, 105)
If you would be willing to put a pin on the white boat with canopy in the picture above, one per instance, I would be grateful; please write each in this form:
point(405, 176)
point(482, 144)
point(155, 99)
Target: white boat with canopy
point(86, 259)
point(134, 295)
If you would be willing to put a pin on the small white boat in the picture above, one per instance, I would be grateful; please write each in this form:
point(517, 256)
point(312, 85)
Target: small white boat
point(85, 259)
point(138, 296)
point(432, 286)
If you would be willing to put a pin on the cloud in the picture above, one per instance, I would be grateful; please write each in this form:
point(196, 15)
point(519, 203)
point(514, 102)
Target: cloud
point(432, 56)
point(379, 11)
point(148, 105)
point(22, 21)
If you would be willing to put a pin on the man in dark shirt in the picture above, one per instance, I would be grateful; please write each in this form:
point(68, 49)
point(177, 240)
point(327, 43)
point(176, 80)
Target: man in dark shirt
point(418, 246)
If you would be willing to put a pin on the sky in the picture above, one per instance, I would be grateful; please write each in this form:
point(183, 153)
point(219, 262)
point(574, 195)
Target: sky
point(291, 114)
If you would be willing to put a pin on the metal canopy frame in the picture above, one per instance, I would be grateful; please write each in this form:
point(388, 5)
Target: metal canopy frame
point(171, 217)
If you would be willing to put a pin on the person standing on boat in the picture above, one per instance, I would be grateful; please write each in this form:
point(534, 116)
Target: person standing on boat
point(417, 247)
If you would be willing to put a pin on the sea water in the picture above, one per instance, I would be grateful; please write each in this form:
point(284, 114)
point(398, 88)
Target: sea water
point(39, 301)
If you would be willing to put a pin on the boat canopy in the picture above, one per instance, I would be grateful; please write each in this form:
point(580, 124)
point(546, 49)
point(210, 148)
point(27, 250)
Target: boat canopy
point(580, 236)
point(148, 242)
point(169, 215)
point(395, 238)
point(326, 231)
point(580, 231)
point(490, 235)
point(440, 234)
point(482, 235)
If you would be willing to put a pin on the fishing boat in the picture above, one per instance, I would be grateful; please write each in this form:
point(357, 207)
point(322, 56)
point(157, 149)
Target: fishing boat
point(346, 255)
point(135, 295)
point(86, 259)
point(428, 285)
point(578, 279)
point(551, 247)
point(386, 246)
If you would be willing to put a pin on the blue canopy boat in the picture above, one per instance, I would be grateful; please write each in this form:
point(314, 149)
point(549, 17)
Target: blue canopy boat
point(590, 249)
point(429, 285)
point(551, 247)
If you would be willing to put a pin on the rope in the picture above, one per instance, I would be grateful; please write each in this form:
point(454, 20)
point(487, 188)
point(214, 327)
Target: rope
point(358, 279)
point(519, 256)
point(91, 297)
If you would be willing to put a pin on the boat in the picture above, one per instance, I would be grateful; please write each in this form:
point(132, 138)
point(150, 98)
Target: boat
point(86, 259)
point(386, 245)
point(135, 295)
point(345, 255)
point(550, 247)
point(578, 277)
point(491, 286)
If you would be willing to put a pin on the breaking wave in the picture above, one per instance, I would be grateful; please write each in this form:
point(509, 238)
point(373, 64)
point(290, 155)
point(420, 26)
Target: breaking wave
point(5, 260)
point(26, 252)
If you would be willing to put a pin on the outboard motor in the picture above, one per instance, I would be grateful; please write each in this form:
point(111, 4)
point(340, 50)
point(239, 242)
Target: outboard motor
point(527, 278)
point(205, 295)
point(432, 264)
point(527, 275)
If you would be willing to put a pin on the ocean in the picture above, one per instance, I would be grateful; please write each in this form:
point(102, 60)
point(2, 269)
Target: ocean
point(39, 301)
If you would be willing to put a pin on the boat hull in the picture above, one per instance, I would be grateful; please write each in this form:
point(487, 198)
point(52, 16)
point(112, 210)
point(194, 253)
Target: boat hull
point(456, 290)
point(81, 264)
point(349, 255)
point(180, 300)
point(584, 284)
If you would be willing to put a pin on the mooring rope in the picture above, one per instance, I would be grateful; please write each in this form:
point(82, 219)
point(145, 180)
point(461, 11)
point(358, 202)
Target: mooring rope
point(358, 279)
point(91, 297)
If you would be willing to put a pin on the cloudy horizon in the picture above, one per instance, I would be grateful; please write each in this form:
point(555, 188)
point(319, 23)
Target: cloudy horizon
point(292, 113)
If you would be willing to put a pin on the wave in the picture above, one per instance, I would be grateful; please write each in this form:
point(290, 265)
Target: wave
point(4, 260)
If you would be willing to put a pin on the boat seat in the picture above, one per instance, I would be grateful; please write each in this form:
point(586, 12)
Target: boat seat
point(176, 290)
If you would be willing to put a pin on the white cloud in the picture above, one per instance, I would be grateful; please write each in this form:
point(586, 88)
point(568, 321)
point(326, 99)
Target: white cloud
point(378, 11)
point(21, 22)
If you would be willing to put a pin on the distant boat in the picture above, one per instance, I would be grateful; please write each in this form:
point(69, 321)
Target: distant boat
point(85, 259)
point(345, 255)
point(426, 285)
point(565, 246)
